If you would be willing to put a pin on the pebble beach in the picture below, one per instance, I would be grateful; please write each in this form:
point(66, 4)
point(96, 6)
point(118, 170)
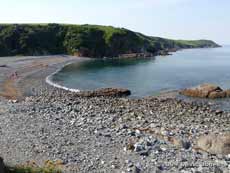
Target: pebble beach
point(39, 122)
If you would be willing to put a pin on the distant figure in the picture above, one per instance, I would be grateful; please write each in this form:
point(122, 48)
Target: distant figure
point(14, 75)
point(4, 65)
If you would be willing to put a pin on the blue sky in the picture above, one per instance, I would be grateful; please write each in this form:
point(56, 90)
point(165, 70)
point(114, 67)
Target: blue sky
point(179, 19)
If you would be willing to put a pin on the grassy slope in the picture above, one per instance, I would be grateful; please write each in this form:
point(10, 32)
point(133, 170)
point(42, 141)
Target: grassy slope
point(90, 40)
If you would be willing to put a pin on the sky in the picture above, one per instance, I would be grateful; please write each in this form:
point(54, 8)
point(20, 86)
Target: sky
point(176, 19)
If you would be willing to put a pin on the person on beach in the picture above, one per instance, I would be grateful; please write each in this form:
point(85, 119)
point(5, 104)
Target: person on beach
point(14, 75)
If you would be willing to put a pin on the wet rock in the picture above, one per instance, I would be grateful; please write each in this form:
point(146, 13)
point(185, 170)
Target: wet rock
point(227, 93)
point(206, 91)
point(112, 92)
point(215, 144)
point(218, 112)
point(217, 94)
point(202, 91)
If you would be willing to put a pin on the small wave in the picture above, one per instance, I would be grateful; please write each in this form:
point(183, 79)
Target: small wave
point(49, 80)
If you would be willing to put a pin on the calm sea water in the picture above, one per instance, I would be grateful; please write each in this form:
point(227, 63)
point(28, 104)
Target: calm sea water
point(145, 77)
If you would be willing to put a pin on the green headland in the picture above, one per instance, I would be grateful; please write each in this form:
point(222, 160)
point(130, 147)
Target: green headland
point(85, 40)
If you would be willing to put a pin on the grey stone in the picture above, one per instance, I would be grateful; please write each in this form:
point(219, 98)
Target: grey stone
point(139, 147)
point(218, 170)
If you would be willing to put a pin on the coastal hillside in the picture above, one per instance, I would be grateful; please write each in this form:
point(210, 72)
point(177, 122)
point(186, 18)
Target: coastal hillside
point(84, 40)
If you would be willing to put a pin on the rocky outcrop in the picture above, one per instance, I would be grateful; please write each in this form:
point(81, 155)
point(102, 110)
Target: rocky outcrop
point(112, 92)
point(215, 144)
point(206, 91)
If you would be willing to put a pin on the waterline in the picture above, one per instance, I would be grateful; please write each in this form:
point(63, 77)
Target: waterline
point(49, 80)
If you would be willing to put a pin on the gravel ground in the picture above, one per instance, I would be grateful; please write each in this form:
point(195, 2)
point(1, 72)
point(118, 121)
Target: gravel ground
point(105, 134)
point(110, 134)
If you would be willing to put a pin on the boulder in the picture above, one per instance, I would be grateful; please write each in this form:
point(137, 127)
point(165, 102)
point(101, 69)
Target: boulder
point(227, 93)
point(113, 92)
point(206, 91)
point(217, 94)
point(215, 143)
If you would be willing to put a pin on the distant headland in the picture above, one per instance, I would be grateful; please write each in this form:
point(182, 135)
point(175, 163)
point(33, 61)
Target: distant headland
point(86, 41)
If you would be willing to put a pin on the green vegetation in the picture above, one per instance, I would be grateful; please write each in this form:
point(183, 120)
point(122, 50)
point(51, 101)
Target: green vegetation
point(196, 43)
point(32, 167)
point(33, 170)
point(84, 40)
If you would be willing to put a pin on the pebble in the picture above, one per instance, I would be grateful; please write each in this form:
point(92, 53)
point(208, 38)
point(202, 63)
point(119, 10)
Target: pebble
point(138, 168)
point(218, 170)
point(139, 147)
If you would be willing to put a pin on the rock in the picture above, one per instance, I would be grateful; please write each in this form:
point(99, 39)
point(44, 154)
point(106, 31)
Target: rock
point(139, 147)
point(130, 146)
point(138, 168)
point(28, 99)
point(113, 92)
point(217, 94)
point(113, 166)
point(227, 158)
point(144, 153)
point(227, 93)
point(218, 170)
point(186, 144)
point(129, 163)
point(215, 144)
point(206, 91)
point(160, 169)
point(218, 112)
point(175, 141)
point(2, 166)
point(183, 171)
point(200, 91)
point(180, 143)
point(13, 101)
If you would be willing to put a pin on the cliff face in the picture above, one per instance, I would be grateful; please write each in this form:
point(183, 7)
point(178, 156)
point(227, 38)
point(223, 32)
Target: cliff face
point(84, 40)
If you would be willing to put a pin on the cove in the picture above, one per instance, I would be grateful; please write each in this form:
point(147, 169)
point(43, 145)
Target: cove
point(145, 77)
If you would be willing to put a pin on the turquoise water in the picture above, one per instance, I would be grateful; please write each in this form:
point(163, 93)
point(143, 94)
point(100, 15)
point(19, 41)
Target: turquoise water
point(146, 77)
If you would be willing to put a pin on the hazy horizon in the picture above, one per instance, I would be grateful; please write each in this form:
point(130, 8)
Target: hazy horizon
point(175, 19)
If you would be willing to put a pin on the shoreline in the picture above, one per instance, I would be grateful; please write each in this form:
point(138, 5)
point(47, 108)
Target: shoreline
point(48, 78)
point(169, 52)
point(40, 70)
point(50, 81)
point(26, 67)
